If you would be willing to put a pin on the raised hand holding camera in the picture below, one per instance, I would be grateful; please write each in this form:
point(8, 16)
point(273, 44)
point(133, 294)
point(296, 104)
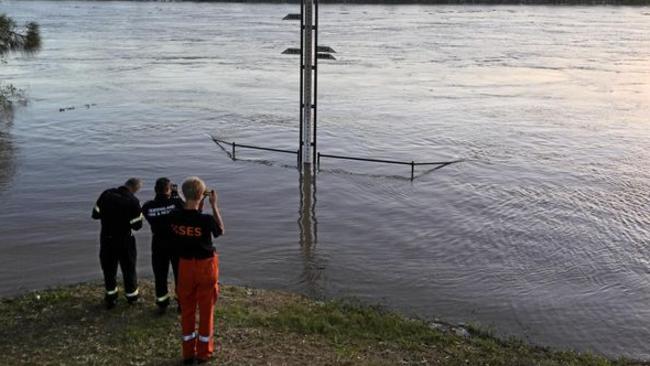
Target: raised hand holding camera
point(212, 194)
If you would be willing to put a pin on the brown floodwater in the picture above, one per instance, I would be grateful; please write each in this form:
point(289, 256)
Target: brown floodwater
point(542, 233)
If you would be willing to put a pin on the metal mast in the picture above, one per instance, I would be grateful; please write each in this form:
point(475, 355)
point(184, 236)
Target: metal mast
point(307, 53)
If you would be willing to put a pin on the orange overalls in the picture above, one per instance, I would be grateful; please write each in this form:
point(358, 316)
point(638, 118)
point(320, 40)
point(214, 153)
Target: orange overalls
point(198, 285)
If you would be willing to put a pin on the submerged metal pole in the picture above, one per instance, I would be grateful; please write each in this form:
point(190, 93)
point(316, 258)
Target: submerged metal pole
point(308, 52)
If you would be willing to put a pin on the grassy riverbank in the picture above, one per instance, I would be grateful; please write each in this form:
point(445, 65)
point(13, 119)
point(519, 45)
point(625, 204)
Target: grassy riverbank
point(70, 326)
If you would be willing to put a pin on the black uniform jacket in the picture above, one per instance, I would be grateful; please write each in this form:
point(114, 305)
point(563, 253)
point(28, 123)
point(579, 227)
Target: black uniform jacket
point(119, 211)
point(157, 213)
point(192, 233)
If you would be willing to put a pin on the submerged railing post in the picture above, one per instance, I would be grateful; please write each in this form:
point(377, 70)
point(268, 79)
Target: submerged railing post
point(412, 170)
point(233, 151)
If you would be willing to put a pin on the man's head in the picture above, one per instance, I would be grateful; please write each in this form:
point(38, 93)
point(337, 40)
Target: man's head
point(133, 184)
point(193, 188)
point(163, 186)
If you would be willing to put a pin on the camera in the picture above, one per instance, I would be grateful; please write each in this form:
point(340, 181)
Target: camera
point(207, 192)
point(174, 188)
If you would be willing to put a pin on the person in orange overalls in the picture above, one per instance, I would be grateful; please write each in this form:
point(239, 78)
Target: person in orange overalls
point(198, 268)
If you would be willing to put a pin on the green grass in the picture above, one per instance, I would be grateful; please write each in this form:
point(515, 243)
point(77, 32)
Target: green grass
point(69, 326)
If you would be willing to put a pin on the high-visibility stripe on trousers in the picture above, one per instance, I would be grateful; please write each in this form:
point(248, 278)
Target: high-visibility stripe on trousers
point(161, 257)
point(114, 251)
point(197, 286)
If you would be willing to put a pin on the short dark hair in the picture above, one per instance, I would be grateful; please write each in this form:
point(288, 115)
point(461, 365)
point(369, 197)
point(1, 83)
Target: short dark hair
point(133, 183)
point(162, 184)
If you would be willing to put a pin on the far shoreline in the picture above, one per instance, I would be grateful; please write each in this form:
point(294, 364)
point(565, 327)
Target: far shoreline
point(569, 3)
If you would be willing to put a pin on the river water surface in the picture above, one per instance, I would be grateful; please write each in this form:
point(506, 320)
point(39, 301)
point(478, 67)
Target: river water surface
point(542, 233)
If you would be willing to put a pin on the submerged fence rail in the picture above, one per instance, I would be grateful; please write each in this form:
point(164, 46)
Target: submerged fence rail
point(413, 164)
point(235, 145)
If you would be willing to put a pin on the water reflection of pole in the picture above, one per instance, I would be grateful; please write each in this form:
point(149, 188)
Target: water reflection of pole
point(309, 233)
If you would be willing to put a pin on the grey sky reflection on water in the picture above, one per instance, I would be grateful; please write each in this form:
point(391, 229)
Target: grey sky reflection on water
point(7, 166)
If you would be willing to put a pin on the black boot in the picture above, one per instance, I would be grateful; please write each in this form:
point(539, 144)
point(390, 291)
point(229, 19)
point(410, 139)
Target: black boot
point(110, 301)
point(132, 298)
point(163, 304)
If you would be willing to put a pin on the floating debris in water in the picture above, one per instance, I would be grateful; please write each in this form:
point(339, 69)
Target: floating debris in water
point(460, 330)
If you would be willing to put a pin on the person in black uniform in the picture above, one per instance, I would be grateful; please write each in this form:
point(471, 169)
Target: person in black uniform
point(119, 212)
point(156, 212)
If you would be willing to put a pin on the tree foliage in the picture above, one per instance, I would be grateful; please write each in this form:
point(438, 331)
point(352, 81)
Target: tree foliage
point(25, 40)
point(13, 39)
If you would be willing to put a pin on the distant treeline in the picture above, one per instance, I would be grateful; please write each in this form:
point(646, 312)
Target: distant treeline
point(454, 2)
